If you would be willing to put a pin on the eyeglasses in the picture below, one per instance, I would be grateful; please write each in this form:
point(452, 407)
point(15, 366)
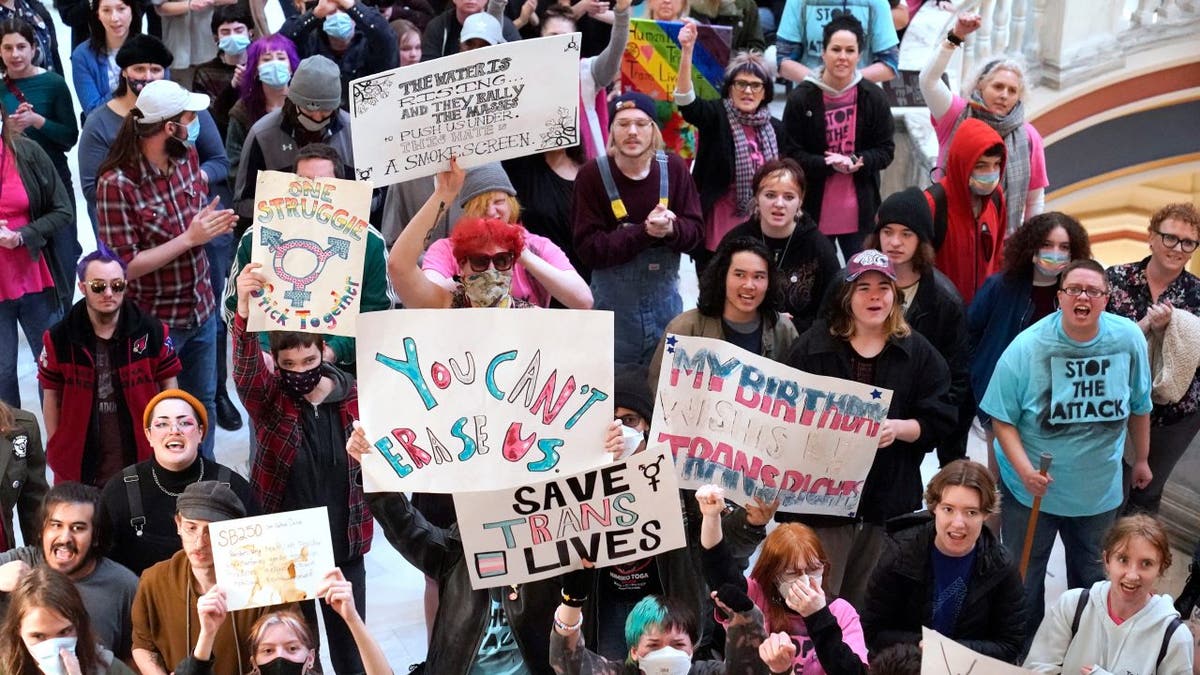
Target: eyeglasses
point(1076, 291)
point(631, 420)
point(1171, 241)
point(748, 86)
point(194, 532)
point(99, 285)
point(184, 425)
point(503, 262)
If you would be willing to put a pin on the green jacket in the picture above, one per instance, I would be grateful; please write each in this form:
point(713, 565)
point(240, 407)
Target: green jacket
point(50, 211)
point(377, 288)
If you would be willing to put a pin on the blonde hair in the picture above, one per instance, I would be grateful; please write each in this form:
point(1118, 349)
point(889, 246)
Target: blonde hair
point(287, 618)
point(989, 69)
point(477, 206)
point(683, 11)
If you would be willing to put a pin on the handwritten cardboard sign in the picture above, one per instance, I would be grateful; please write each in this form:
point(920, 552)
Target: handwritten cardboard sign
point(651, 64)
point(611, 515)
point(483, 105)
point(943, 656)
point(757, 427)
point(310, 235)
point(272, 559)
point(482, 399)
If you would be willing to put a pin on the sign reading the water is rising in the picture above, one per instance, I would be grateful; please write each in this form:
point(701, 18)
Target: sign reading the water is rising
point(612, 515)
point(310, 235)
point(759, 428)
point(483, 105)
point(482, 399)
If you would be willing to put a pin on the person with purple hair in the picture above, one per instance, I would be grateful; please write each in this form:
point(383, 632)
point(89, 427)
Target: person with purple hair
point(270, 62)
point(103, 363)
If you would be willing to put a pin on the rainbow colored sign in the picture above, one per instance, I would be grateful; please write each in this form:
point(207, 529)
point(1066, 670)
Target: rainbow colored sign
point(651, 64)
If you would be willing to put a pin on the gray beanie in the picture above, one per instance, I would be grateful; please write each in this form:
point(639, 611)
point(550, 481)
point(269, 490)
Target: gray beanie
point(485, 178)
point(316, 84)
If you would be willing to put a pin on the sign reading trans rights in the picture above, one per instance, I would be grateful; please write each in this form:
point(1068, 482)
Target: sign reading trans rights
point(482, 399)
point(759, 428)
point(484, 105)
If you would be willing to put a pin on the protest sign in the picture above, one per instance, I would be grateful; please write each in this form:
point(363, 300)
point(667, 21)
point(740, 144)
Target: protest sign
point(651, 64)
point(612, 515)
point(759, 428)
point(942, 656)
point(310, 235)
point(272, 559)
point(483, 105)
point(482, 399)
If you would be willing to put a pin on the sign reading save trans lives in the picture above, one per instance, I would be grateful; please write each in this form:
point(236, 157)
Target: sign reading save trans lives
point(483, 105)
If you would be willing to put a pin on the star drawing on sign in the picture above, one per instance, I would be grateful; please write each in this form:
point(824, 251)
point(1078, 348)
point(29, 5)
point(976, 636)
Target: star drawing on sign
point(671, 340)
point(876, 394)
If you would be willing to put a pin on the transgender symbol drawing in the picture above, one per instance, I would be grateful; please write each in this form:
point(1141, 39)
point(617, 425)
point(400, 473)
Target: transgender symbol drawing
point(299, 295)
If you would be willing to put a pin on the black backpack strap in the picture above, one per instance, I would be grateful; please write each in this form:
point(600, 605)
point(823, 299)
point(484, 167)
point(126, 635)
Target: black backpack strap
point(133, 493)
point(223, 474)
point(1166, 642)
point(939, 214)
point(1083, 601)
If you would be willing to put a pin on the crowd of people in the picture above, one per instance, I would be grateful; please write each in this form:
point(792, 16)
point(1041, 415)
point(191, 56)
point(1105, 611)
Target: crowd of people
point(967, 300)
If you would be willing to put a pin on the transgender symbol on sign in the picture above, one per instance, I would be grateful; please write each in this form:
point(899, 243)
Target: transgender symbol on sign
point(299, 295)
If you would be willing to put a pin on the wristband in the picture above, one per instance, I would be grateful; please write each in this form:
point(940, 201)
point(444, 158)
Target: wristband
point(953, 39)
point(567, 628)
point(572, 602)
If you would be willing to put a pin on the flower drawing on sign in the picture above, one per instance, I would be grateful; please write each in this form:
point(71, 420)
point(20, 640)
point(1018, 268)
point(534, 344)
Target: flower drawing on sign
point(368, 94)
point(562, 130)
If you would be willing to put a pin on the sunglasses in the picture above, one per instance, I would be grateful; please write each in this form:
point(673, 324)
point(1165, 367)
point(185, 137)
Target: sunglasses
point(503, 262)
point(98, 285)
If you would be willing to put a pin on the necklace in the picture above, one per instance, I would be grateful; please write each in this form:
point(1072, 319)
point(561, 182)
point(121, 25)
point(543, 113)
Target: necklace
point(779, 255)
point(154, 475)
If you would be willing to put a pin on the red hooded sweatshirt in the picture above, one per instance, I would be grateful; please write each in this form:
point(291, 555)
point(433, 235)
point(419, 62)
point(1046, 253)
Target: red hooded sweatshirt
point(972, 247)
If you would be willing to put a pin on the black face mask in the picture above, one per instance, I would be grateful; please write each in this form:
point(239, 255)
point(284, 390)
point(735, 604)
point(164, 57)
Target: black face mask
point(136, 86)
point(281, 666)
point(298, 383)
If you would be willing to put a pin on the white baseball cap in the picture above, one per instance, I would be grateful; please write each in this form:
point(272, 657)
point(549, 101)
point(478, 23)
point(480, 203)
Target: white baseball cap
point(164, 99)
point(483, 26)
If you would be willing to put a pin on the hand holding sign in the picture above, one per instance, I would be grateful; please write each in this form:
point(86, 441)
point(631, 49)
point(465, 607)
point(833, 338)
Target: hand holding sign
point(249, 282)
point(759, 512)
point(338, 594)
point(449, 182)
point(356, 444)
point(212, 611)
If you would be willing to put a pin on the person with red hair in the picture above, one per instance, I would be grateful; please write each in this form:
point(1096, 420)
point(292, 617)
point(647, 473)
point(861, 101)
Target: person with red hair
point(485, 249)
point(806, 632)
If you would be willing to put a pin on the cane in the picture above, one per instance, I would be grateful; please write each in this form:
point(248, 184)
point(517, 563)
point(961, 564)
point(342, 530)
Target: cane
point(1027, 550)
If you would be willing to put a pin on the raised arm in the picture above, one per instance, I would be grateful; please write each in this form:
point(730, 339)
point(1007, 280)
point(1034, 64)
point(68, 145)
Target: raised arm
point(935, 92)
point(607, 64)
point(412, 286)
point(339, 594)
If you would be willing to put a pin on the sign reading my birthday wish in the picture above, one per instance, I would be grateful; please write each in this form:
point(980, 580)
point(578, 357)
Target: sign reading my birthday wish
point(612, 515)
point(759, 428)
point(482, 399)
point(310, 235)
point(483, 105)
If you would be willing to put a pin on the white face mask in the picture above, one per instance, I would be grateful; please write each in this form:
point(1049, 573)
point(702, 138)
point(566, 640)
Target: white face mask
point(46, 654)
point(632, 438)
point(665, 661)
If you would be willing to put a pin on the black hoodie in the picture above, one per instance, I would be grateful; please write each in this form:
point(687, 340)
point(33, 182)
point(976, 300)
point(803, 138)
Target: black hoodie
point(322, 453)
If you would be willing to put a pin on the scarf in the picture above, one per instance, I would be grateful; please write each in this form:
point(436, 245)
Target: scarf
point(1011, 128)
point(743, 164)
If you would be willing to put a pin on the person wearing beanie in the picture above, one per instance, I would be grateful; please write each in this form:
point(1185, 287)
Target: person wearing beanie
point(542, 274)
point(310, 114)
point(141, 498)
point(932, 306)
point(352, 34)
point(636, 211)
point(151, 199)
point(170, 633)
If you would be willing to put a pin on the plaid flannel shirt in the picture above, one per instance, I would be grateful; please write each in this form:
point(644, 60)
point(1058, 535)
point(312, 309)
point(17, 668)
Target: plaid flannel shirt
point(145, 208)
point(277, 430)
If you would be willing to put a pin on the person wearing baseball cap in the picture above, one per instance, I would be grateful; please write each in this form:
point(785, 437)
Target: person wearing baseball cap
point(865, 338)
point(480, 30)
point(636, 211)
point(179, 598)
point(931, 303)
point(141, 499)
point(153, 212)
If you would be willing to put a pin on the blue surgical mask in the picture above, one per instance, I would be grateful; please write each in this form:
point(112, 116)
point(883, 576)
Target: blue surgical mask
point(234, 45)
point(275, 74)
point(983, 184)
point(46, 653)
point(339, 26)
point(193, 131)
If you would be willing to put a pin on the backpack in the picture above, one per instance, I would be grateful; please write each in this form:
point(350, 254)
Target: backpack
point(939, 211)
point(1166, 641)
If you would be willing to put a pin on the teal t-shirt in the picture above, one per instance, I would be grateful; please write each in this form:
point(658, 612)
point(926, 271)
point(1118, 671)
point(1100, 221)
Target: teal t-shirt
point(1072, 400)
point(803, 21)
point(498, 653)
